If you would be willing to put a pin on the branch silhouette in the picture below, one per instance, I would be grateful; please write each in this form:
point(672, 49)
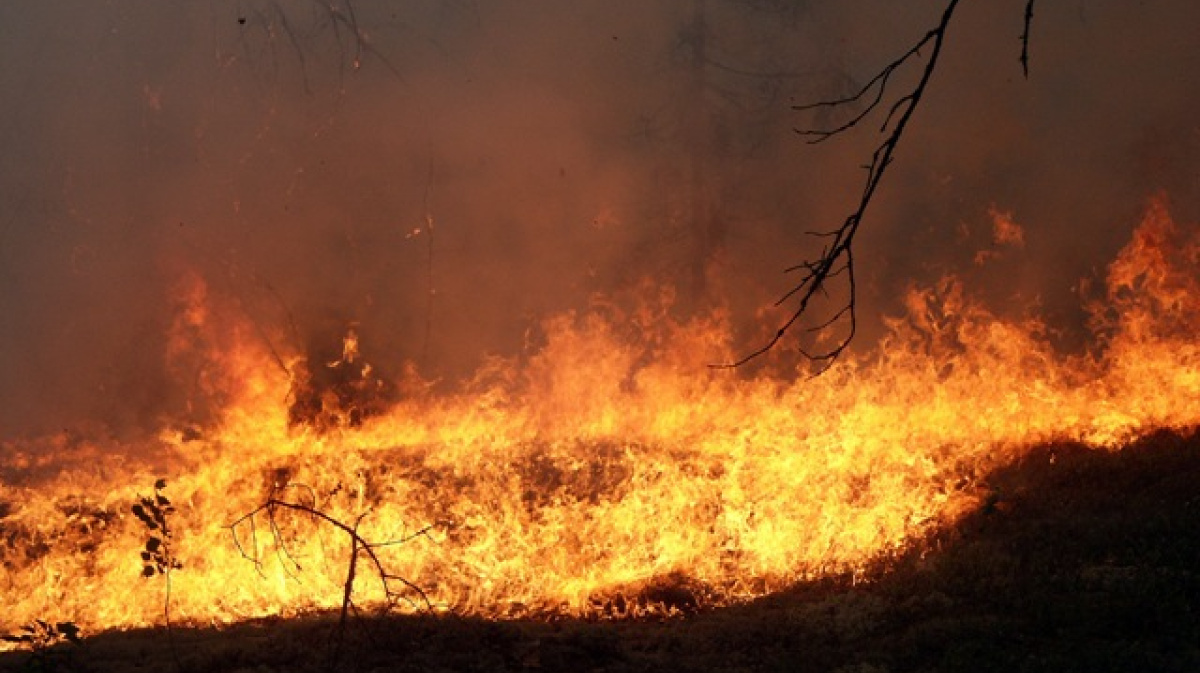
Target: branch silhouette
point(359, 547)
point(836, 258)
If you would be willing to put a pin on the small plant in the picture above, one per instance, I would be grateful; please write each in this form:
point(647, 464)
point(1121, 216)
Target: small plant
point(40, 636)
point(157, 557)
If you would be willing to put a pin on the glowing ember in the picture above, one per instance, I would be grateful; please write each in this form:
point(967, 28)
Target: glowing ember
point(606, 464)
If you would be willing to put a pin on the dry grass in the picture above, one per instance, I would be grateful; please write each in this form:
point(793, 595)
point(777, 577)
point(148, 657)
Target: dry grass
point(1081, 561)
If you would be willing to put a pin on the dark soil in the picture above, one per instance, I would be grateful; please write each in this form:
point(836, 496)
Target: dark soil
point(1081, 560)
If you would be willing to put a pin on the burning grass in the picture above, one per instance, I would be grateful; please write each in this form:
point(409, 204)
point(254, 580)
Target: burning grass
point(606, 473)
point(1081, 560)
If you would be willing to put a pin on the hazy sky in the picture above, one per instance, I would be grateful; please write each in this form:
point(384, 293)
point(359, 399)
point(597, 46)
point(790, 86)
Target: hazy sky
point(263, 146)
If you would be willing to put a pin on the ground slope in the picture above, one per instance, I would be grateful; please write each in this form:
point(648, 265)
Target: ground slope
point(1080, 560)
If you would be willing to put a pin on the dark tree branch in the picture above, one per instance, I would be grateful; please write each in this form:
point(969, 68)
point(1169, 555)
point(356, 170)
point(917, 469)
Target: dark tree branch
point(359, 547)
point(273, 504)
point(1025, 38)
point(824, 134)
point(837, 257)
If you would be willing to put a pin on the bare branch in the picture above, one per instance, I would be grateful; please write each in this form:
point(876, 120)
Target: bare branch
point(837, 256)
point(359, 545)
point(903, 102)
point(1025, 38)
point(824, 134)
point(836, 259)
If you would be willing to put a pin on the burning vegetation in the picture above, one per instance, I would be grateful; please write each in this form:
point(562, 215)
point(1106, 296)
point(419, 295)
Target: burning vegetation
point(342, 392)
point(606, 473)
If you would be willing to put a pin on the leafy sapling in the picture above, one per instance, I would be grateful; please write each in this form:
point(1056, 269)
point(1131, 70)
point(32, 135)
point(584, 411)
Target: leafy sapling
point(157, 556)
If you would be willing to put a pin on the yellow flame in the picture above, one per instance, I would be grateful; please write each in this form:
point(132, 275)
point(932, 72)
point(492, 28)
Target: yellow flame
point(609, 460)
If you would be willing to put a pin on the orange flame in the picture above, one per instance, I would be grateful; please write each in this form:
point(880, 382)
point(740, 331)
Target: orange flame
point(612, 458)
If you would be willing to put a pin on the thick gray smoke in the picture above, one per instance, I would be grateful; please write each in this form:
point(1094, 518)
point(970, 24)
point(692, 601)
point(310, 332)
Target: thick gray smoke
point(293, 152)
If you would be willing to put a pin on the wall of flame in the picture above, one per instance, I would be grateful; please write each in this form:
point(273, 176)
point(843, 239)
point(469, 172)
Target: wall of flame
point(606, 462)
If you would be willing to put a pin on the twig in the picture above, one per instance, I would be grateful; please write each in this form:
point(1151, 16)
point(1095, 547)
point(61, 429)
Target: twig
point(1025, 38)
point(359, 546)
point(429, 289)
point(158, 555)
point(347, 590)
point(837, 255)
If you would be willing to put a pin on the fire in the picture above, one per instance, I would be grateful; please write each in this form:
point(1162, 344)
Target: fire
point(608, 462)
point(1005, 233)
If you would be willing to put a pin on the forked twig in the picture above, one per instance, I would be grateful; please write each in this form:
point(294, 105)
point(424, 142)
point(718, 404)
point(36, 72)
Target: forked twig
point(837, 255)
point(359, 547)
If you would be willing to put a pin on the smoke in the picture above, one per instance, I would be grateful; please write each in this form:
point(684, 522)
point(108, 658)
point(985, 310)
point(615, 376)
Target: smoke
point(294, 154)
point(1073, 153)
